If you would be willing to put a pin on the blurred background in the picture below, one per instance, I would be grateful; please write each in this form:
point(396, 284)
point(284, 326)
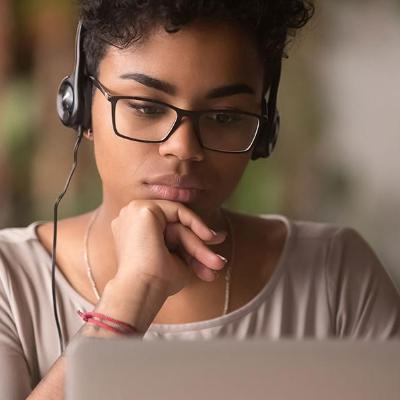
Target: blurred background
point(337, 159)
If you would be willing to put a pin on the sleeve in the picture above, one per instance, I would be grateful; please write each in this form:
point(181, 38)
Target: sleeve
point(14, 372)
point(364, 300)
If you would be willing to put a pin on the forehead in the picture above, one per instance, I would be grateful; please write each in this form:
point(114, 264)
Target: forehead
point(201, 53)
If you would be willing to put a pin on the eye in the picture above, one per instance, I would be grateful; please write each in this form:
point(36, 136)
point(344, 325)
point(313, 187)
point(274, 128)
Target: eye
point(146, 109)
point(224, 118)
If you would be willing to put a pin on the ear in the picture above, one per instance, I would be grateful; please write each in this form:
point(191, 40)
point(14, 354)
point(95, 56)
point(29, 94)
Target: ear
point(88, 133)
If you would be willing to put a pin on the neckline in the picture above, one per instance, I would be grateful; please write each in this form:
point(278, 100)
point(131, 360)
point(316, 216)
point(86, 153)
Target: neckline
point(190, 326)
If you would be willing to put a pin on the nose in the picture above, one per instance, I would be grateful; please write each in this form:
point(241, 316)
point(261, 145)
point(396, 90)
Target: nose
point(183, 143)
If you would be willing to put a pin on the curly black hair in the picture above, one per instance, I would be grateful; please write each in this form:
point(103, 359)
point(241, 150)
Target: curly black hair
point(123, 22)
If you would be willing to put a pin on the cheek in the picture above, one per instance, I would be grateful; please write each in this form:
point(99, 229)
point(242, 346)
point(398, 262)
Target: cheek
point(106, 148)
point(228, 171)
point(117, 159)
point(105, 141)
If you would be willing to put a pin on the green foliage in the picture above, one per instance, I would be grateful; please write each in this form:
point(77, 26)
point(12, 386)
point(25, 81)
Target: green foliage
point(18, 139)
point(260, 189)
point(17, 116)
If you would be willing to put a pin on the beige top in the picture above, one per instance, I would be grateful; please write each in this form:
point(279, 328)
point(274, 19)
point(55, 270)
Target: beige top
point(328, 282)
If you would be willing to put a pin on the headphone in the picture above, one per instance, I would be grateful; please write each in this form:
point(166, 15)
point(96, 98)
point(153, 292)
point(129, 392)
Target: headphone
point(74, 92)
point(74, 100)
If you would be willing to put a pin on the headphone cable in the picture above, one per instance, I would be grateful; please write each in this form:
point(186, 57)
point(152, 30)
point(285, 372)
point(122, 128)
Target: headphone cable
point(53, 256)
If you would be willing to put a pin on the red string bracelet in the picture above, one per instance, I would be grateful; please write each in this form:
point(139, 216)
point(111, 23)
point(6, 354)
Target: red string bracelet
point(104, 326)
point(98, 319)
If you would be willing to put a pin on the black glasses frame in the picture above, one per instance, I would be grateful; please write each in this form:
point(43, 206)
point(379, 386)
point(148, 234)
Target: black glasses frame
point(194, 116)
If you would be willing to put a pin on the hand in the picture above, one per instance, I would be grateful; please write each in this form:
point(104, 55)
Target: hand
point(164, 242)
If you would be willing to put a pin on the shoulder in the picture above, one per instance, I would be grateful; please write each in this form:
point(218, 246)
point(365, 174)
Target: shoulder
point(362, 296)
point(332, 252)
point(306, 238)
point(22, 258)
point(18, 235)
point(330, 238)
point(25, 253)
point(18, 243)
point(292, 237)
point(320, 232)
point(339, 249)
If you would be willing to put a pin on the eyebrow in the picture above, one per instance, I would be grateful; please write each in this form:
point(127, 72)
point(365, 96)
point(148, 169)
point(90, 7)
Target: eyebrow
point(222, 91)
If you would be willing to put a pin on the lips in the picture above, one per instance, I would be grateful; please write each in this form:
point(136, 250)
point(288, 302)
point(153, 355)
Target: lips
point(181, 188)
point(177, 181)
point(173, 193)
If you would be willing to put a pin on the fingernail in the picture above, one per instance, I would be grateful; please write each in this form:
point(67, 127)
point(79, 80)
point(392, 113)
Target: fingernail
point(218, 233)
point(222, 258)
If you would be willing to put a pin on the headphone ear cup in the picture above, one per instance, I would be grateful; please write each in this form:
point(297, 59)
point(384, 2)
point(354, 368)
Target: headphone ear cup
point(274, 133)
point(268, 133)
point(267, 136)
point(72, 110)
point(261, 145)
point(66, 101)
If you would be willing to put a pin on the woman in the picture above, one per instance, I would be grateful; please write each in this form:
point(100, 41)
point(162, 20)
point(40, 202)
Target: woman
point(160, 253)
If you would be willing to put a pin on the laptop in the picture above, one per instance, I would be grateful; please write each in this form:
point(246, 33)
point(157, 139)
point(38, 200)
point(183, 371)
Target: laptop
point(122, 369)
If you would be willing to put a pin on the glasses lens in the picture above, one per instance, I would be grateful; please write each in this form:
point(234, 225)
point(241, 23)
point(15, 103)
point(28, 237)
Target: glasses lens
point(227, 131)
point(143, 120)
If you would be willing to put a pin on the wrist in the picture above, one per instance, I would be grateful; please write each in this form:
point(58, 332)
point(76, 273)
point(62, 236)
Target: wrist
point(135, 302)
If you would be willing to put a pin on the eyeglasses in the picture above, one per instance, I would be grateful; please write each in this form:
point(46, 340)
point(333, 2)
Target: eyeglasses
point(149, 121)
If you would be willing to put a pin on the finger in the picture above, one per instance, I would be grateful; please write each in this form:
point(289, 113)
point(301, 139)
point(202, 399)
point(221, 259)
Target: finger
point(177, 235)
point(219, 238)
point(204, 273)
point(199, 269)
point(177, 212)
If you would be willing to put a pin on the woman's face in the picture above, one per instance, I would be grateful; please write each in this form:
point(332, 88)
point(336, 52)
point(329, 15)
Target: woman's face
point(184, 68)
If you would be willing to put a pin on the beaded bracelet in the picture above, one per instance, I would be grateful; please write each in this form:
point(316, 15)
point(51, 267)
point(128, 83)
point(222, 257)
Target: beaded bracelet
point(116, 326)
